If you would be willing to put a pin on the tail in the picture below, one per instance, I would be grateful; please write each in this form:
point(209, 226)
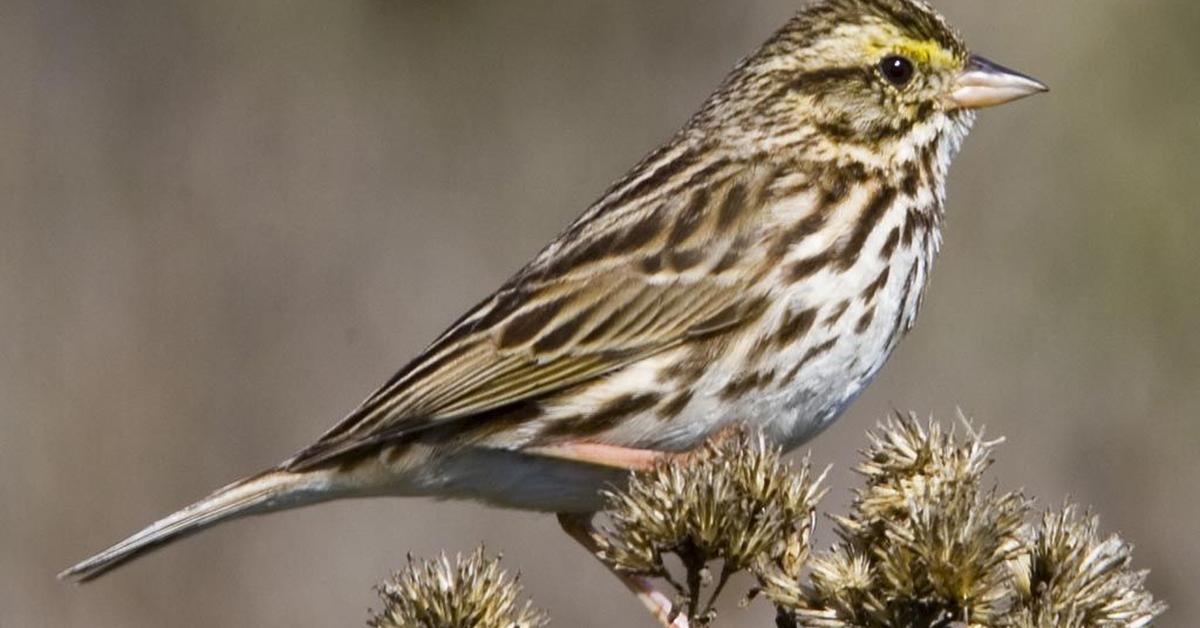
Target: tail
point(266, 492)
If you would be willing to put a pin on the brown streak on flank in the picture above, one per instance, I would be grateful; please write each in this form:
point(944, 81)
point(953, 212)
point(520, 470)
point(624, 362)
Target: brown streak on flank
point(756, 353)
point(818, 351)
point(889, 246)
point(525, 326)
point(735, 203)
point(865, 321)
point(687, 372)
point(812, 354)
point(918, 222)
point(674, 406)
point(803, 229)
point(740, 386)
point(877, 285)
point(608, 416)
point(893, 335)
point(910, 228)
point(871, 215)
point(837, 314)
point(929, 159)
point(912, 180)
point(806, 268)
point(795, 325)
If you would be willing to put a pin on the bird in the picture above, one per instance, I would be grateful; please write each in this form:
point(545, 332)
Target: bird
point(757, 269)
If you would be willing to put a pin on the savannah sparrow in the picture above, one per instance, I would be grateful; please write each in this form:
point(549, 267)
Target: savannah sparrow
point(758, 269)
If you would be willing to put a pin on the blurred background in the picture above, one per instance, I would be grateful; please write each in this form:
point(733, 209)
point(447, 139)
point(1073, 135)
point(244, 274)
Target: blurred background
point(222, 224)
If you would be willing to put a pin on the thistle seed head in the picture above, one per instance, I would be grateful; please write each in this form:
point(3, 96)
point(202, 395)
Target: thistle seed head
point(471, 592)
point(1068, 576)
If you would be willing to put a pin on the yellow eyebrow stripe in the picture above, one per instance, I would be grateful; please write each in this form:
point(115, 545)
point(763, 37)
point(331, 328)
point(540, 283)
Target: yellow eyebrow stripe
point(927, 52)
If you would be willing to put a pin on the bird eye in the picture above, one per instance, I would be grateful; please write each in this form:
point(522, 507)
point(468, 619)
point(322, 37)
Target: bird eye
point(897, 70)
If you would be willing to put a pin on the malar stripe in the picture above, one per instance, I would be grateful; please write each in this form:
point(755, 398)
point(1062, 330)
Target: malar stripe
point(868, 220)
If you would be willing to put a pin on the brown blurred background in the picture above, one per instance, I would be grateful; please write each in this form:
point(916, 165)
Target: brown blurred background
point(223, 223)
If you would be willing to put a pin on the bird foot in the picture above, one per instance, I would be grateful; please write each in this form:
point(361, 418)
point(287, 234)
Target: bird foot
point(659, 604)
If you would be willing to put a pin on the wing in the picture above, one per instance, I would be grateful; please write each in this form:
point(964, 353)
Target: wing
point(617, 287)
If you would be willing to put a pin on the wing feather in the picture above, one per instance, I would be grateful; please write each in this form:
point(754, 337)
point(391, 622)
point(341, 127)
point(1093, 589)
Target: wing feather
point(553, 327)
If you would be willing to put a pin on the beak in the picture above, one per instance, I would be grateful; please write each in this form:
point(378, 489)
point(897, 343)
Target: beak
point(986, 84)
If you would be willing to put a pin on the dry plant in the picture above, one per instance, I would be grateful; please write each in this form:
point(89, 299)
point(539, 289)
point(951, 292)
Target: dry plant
point(925, 544)
point(473, 592)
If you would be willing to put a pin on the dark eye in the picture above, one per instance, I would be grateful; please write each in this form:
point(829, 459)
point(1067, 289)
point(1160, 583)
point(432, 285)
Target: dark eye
point(897, 70)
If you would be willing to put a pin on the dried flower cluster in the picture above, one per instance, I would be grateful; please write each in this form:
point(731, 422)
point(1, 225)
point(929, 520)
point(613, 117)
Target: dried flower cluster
point(473, 592)
point(735, 502)
point(1070, 577)
point(924, 545)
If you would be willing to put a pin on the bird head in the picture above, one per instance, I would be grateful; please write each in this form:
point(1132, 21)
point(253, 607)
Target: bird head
point(864, 73)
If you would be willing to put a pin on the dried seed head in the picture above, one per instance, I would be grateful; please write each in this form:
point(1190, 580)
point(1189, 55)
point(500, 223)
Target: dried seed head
point(1070, 577)
point(735, 501)
point(473, 592)
point(926, 545)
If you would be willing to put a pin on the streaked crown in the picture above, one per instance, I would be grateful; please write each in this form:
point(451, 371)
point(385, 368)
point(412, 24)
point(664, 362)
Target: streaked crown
point(846, 73)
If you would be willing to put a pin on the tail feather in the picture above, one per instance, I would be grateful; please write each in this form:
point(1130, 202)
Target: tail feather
point(267, 492)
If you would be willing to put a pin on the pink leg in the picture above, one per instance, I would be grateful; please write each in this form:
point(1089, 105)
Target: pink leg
point(602, 455)
point(621, 457)
point(579, 526)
